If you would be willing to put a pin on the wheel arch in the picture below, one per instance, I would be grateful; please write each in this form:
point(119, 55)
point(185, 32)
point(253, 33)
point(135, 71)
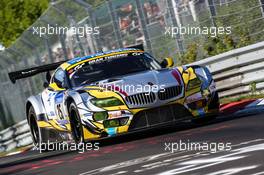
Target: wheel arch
point(74, 96)
point(36, 103)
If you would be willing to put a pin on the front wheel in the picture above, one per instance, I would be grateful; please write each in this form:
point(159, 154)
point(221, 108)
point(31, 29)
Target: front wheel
point(76, 124)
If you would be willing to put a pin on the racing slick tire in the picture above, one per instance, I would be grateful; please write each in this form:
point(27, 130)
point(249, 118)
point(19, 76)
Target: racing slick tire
point(35, 131)
point(76, 124)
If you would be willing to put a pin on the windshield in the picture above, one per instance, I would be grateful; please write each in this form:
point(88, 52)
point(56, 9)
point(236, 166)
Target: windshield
point(111, 66)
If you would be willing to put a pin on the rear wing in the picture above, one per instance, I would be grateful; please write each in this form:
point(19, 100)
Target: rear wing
point(13, 76)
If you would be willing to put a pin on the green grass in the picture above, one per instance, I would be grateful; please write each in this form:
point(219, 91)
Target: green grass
point(239, 98)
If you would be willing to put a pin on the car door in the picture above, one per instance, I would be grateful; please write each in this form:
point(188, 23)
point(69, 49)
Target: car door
point(53, 99)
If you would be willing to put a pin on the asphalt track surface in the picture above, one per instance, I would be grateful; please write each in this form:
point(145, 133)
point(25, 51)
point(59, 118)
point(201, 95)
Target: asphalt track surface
point(150, 152)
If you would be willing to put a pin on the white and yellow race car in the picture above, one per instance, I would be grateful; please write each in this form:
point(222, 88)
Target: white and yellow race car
point(116, 92)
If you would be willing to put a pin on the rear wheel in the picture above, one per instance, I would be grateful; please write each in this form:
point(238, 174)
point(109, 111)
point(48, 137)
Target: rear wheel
point(76, 124)
point(35, 132)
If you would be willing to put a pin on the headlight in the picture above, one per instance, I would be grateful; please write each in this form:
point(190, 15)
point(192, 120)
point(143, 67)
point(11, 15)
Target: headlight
point(106, 102)
point(98, 116)
point(115, 122)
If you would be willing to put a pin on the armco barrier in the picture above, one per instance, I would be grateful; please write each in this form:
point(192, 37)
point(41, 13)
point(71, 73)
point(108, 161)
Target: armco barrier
point(15, 137)
point(236, 72)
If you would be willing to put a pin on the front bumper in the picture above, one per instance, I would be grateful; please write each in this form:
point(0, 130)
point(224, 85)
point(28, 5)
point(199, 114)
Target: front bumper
point(145, 118)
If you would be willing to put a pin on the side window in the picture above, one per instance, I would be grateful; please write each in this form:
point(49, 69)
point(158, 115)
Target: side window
point(59, 77)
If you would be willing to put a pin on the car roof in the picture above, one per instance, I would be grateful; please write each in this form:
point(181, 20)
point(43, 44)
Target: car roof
point(74, 61)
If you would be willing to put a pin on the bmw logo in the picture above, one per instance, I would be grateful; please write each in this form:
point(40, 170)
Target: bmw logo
point(150, 83)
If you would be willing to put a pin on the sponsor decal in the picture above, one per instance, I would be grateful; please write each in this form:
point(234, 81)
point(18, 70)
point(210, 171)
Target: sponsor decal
point(114, 114)
point(98, 60)
point(194, 97)
point(76, 60)
point(59, 98)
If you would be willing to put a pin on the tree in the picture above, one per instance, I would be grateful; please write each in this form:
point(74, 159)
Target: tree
point(219, 45)
point(16, 16)
point(246, 20)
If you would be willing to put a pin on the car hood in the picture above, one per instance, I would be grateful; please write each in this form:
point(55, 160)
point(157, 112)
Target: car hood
point(141, 81)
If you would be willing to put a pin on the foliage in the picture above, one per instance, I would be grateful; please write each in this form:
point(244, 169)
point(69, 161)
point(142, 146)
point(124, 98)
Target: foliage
point(16, 16)
point(251, 96)
point(246, 21)
point(164, 47)
point(190, 55)
point(253, 88)
point(219, 45)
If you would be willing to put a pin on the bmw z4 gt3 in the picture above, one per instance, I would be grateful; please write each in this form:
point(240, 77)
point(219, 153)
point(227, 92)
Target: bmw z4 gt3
point(115, 92)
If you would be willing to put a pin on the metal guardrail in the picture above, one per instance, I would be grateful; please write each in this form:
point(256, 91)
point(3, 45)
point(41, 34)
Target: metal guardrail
point(15, 136)
point(235, 73)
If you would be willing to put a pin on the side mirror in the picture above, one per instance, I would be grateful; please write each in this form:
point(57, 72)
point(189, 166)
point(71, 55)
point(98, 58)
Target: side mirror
point(167, 62)
point(45, 84)
point(59, 84)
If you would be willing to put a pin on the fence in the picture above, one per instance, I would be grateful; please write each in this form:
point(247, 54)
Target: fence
point(235, 73)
